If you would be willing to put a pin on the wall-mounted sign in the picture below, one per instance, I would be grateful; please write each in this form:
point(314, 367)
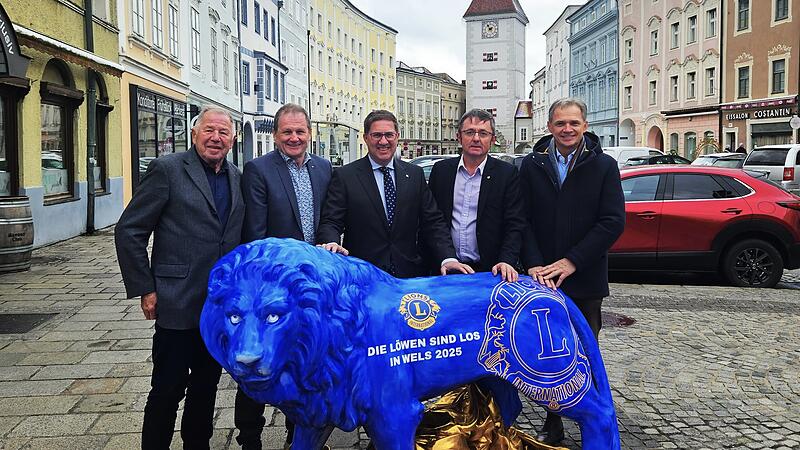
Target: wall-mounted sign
point(760, 114)
point(12, 62)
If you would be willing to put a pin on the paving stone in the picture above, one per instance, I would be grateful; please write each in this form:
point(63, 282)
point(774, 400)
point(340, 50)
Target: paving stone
point(54, 425)
point(127, 441)
point(43, 359)
point(116, 356)
point(15, 373)
point(90, 346)
point(95, 386)
point(35, 347)
point(129, 334)
point(104, 403)
point(126, 325)
point(14, 443)
point(73, 335)
point(29, 406)
point(136, 384)
point(143, 369)
point(28, 388)
point(73, 443)
point(72, 372)
point(118, 422)
point(76, 326)
point(7, 424)
point(133, 344)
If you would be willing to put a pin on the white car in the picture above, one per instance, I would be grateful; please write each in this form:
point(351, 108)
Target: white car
point(709, 159)
point(781, 163)
point(623, 154)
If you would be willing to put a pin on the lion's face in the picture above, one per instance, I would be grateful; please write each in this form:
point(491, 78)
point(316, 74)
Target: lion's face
point(252, 330)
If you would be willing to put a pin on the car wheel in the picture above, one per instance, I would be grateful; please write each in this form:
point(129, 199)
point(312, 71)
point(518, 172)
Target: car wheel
point(752, 263)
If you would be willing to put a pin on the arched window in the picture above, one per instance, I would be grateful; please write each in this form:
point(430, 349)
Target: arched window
point(59, 101)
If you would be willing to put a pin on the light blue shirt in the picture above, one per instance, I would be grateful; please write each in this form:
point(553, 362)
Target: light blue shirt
point(379, 180)
point(561, 163)
point(463, 227)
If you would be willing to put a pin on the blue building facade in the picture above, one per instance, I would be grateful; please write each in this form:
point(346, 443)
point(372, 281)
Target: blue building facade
point(594, 65)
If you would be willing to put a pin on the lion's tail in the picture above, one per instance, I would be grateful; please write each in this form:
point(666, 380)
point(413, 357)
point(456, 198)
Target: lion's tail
point(605, 433)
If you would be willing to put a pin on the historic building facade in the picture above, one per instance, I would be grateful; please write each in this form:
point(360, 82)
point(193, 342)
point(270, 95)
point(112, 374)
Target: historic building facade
point(557, 63)
point(454, 103)
point(263, 76)
point(593, 65)
point(760, 84)
point(670, 72)
point(539, 104)
point(418, 107)
point(60, 142)
point(495, 62)
point(352, 73)
point(294, 50)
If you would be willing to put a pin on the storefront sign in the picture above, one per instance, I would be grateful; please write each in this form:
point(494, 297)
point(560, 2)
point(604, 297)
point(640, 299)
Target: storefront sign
point(11, 60)
point(146, 100)
point(760, 114)
point(164, 105)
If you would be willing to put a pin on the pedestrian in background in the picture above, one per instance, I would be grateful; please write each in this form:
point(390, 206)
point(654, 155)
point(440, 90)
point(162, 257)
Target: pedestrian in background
point(575, 211)
point(192, 205)
point(741, 149)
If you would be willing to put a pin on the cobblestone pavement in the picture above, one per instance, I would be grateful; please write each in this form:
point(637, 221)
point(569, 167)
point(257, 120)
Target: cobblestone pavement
point(700, 366)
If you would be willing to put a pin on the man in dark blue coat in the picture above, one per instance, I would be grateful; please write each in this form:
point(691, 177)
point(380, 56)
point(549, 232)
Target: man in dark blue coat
point(575, 211)
point(283, 192)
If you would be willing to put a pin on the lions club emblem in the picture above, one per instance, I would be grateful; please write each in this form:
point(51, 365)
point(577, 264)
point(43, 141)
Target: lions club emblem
point(418, 310)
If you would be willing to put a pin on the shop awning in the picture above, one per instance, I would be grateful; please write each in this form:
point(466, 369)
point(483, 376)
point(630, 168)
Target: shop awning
point(75, 55)
point(771, 128)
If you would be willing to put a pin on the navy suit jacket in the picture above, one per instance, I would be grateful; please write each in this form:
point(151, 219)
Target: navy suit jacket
point(500, 218)
point(174, 203)
point(270, 202)
point(354, 208)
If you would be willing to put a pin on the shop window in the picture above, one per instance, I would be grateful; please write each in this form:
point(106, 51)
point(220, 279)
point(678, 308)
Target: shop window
point(690, 144)
point(8, 160)
point(57, 111)
point(673, 143)
point(100, 157)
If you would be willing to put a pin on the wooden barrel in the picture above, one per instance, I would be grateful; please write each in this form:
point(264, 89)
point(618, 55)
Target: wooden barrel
point(16, 234)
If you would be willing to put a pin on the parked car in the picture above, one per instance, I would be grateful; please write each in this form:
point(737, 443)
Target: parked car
point(781, 163)
point(516, 160)
point(711, 158)
point(427, 166)
point(734, 162)
point(657, 159)
point(708, 219)
point(623, 154)
point(420, 159)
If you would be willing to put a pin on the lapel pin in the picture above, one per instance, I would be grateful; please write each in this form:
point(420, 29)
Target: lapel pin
point(406, 175)
point(488, 177)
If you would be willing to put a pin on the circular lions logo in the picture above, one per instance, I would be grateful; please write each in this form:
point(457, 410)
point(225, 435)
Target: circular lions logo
point(418, 310)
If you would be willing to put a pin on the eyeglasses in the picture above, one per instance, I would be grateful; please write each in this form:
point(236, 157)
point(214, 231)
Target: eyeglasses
point(483, 134)
point(389, 135)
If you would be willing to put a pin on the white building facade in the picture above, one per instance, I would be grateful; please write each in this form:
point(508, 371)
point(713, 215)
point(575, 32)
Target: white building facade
point(495, 61)
point(539, 103)
point(263, 76)
point(211, 39)
point(293, 32)
point(557, 64)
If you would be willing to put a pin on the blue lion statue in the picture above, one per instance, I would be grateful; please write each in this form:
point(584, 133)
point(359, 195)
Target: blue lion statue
point(332, 341)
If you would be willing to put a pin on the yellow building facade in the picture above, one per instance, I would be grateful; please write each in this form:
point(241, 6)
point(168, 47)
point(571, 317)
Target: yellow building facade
point(352, 72)
point(53, 90)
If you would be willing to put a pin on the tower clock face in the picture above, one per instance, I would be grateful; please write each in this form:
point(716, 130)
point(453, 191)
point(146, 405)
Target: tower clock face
point(489, 29)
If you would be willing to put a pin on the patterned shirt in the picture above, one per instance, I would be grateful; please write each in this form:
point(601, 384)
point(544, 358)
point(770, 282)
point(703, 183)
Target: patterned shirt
point(301, 181)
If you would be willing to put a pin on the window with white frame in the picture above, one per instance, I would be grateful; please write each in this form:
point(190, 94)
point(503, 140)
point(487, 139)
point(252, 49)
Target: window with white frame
point(257, 17)
point(628, 50)
point(673, 88)
point(711, 23)
point(174, 48)
point(743, 82)
point(711, 81)
point(225, 63)
point(195, 19)
point(235, 71)
point(674, 35)
point(245, 78)
point(158, 23)
point(781, 10)
point(523, 134)
point(653, 42)
point(742, 15)
point(653, 90)
point(214, 74)
point(138, 17)
point(778, 76)
point(691, 81)
point(691, 29)
point(628, 96)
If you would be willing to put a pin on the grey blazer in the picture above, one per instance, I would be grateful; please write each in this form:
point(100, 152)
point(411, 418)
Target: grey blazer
point(270, 202)
point(174, 203)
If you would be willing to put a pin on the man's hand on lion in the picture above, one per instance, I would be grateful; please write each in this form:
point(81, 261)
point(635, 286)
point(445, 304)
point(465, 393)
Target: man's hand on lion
point(149, 305)
point(535, 273)
point(453, 266)
point(557, 272)
point(505, 270)
point(334, 247)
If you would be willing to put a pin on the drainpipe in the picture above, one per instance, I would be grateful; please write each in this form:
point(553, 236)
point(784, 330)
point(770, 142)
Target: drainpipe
point(722, 30)
point(308, 64)
point(91, 119)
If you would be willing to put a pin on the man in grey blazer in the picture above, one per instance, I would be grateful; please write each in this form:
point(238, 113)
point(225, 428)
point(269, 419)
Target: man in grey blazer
point(283, 192)
point(191, 202)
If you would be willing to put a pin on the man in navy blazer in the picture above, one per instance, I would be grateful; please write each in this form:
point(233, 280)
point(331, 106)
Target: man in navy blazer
point(283, 192)
point(480, 200)
point(384, 208)
point(191, 203)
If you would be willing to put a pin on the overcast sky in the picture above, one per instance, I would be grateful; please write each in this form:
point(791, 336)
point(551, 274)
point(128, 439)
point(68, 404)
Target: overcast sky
point(431, 33)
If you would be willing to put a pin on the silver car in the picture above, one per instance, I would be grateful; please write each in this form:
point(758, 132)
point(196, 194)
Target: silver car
point(781, 163)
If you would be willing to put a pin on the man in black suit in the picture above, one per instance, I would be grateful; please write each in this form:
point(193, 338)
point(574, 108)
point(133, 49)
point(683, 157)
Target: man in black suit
point(283, 193)
point(479, 197)
point(191, 203)
point(383, 206)
point(575, 211)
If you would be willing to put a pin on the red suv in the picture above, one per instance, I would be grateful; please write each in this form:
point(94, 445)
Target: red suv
point(708, 219)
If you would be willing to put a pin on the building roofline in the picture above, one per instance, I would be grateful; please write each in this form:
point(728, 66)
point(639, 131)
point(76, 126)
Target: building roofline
point(558, 19)
point(371, 19)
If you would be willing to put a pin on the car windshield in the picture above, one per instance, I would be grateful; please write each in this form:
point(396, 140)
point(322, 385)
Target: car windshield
point(703, 161)
point(728, 162)
point(767, 157)
point(636, 162)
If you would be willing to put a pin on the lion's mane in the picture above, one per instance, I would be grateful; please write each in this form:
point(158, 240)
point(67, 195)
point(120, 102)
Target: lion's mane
point(327, 292)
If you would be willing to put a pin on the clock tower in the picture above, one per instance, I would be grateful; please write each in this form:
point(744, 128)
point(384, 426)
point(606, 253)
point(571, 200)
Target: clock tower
point(495, 61)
